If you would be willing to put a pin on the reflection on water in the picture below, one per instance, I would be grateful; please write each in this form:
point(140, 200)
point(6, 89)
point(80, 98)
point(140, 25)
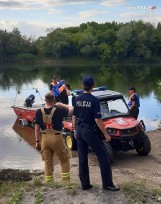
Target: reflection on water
point(17, 144)
point(26, 133)
point(15, 151)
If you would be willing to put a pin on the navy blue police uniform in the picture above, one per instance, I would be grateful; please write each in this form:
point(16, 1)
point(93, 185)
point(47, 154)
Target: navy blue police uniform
point(86, 110)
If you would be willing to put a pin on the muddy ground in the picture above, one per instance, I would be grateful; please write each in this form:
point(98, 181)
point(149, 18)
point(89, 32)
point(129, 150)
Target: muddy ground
point(127, 168)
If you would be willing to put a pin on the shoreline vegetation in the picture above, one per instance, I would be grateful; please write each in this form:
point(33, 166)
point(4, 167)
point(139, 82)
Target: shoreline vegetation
point(135, 41)
point(77, 62)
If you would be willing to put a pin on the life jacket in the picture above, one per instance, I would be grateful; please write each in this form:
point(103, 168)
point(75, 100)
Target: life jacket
point(58, 88)
point(47, 119)
point(137, 104)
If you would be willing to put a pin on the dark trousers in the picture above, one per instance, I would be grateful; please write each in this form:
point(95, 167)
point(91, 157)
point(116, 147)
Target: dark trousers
point(86, 137)
point(134, 112)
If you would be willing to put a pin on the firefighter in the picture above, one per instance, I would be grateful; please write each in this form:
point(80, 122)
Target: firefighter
point(85, 115)
point(49, 123)
point(133, 103)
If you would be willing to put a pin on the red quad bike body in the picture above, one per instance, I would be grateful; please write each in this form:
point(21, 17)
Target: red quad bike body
point(126, 132)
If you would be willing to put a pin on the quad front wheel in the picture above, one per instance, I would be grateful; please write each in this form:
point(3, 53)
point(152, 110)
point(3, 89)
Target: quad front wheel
point(145, 146)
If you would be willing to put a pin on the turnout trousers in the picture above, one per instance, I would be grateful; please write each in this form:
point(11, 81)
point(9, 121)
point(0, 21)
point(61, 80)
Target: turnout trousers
point(53, 142)
point(86, 137)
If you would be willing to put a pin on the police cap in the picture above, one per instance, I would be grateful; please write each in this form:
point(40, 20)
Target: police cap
point(88, 81)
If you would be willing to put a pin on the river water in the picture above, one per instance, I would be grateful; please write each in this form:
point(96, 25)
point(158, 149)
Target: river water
point(17, 143)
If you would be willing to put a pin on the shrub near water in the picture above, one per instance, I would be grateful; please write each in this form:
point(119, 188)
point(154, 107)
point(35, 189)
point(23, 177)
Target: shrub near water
point(25, 57)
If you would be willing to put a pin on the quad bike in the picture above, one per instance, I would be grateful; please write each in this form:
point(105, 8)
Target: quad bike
point(126, 132)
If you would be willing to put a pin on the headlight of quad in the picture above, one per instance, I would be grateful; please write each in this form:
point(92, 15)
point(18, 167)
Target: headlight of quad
point(111, 131)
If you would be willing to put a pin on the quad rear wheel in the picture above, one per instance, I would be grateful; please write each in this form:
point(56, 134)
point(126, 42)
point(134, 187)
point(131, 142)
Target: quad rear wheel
point(145, 146)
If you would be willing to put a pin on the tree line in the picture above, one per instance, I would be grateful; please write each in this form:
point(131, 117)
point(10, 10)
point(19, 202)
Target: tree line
point(136, 40)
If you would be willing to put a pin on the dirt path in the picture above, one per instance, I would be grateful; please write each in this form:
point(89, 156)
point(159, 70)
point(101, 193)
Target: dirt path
point(126, 167)
point(130, 165)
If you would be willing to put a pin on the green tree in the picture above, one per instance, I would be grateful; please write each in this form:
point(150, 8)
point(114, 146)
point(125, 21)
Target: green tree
point(87, 43)
point(124, 37)
point(13, 43)
point(57, 43)
point(103, 51)
point(137, 40)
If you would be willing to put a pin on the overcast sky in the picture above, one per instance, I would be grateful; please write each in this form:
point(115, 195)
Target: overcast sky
point(34, 17)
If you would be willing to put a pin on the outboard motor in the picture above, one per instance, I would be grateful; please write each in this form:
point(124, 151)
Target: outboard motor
point(29, 101)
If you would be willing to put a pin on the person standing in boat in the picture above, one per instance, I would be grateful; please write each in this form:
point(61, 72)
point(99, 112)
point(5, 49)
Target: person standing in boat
point(133, 103)
point(48, 122)
point(60, 90)
point(53, 83)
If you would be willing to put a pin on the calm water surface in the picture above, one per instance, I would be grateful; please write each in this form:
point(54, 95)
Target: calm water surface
point(17, 143)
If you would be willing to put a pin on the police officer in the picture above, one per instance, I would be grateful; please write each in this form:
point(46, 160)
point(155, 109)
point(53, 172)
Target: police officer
point(134, 103)
point(85, 115)
point(49, 121)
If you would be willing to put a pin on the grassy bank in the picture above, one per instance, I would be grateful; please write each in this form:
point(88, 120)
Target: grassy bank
point(25, 187)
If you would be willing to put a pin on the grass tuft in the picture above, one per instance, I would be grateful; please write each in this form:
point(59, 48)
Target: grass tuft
point(71, 186)
point(37, 181)
point(135, 192)
point(156, 193)
point(15, 198)
point(38, 197)
point(141, 192)
point(54, 185)
point(12, 191)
